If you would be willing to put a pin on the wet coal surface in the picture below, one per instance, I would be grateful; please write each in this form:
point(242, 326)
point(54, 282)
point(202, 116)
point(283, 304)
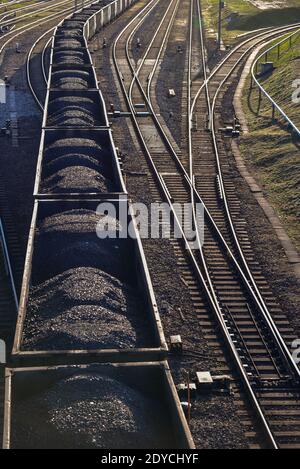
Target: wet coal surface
point(73, 159)
point(72, 79)
point(64, 146)
point(90, 410)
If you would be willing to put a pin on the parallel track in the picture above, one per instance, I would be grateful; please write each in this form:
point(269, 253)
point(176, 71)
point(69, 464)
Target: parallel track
point(243, 314)
point(37, 82)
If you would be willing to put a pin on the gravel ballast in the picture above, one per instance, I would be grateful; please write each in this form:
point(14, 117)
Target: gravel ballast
point(89, 410)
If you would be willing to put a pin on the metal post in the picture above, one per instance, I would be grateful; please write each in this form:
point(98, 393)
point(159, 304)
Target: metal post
point(251, 83)
point(220, 24)
point(278, 52)
point(273, 112)
point(259, 100)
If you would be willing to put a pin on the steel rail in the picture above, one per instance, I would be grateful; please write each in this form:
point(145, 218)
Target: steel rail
point(85, 4)
point(17, 32)
point(250, 282)
point(8, 264)
point(37, 4)
point(263, 90)
point(142, 61)
point(198, 272)
point(33, 13)
point(250, 285)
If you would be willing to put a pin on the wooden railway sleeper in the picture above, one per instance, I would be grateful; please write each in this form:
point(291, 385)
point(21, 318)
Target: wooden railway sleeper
point(271, 355)
point(242, 348)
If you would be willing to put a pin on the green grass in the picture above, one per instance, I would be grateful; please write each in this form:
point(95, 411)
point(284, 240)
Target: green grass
point(270, 150)
point(280, 84)
point(240, 16)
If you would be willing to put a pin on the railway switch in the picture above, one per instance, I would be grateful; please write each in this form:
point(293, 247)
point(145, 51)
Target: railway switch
point(176, 343)
point(204, 381)
point(183, 390)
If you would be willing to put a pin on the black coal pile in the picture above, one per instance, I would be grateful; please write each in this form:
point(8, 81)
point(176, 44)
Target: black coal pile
point(72, 84)
point(59, 107)
point(74, 159)
point(73, 116)
point(68, 33)
point(84, 308)
point(77, 179)
point(77, 146)
point(88, 327)
point(71, 78)
point(75, 25)
point(69, 43)
point(89, 410)
point(72, 241)
point(77, 165)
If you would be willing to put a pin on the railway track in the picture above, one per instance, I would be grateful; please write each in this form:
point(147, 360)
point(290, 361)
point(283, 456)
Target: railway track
point(15, 33)
point(272, 381)
point(11, 269)
point(37, 78)
point(254, 329)
point(36, 66)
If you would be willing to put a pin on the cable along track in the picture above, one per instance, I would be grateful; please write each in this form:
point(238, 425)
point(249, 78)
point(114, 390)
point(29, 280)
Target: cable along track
point(255, 341)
